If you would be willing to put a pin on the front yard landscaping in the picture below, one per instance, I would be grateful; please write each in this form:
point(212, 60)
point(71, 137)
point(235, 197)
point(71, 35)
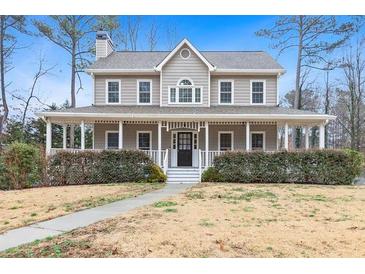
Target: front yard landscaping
point(23, 207)
point(225, 220)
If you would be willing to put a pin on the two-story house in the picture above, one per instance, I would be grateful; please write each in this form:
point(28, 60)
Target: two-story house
point(183, 107)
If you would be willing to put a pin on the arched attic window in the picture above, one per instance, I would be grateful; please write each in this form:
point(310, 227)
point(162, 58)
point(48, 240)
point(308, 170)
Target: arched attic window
point(185, 93)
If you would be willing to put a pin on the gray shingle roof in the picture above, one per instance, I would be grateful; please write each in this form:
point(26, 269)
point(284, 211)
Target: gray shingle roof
point(220, 59)
point(269, 110)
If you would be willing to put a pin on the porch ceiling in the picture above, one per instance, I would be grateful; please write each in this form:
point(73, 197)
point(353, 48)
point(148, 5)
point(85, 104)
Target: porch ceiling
point(153, 114)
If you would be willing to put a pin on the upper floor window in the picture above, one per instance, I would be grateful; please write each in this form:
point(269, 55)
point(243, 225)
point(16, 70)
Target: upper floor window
point(112, 91)
point(185, 53)
point(144, 91)
point(185, 93)
point(257, 92)
point(226, 91)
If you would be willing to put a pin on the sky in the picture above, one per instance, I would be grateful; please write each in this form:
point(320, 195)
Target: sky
point(204, 32)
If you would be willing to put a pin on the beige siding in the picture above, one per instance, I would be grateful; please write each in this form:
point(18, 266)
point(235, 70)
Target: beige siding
point(239, 135)
point(130, 135)
point(242, 88)
point(128, 89)
point(177, 68)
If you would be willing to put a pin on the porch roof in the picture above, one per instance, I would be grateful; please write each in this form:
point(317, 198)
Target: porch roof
point(221, 113)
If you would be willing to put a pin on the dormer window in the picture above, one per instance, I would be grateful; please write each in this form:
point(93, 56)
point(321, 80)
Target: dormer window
point(185, 93)
point(112, 92)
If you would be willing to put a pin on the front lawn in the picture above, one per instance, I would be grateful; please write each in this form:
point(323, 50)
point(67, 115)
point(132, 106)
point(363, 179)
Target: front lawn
point(225, 220)
point(23, 207)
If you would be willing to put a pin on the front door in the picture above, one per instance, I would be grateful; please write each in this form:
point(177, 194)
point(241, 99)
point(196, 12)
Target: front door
point(184, 149)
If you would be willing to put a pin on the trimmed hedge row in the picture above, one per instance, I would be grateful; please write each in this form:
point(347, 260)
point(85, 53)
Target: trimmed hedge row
point(119, 166)
point(331, 167)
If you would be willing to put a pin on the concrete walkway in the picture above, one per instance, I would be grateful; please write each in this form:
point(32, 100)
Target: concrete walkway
point(38, 231)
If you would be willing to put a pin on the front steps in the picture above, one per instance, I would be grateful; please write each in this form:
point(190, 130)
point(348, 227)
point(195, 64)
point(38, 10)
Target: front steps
point(182, 175)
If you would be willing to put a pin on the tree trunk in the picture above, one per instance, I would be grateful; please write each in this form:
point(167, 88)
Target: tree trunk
point(298, 93)
point(73, 91)
point(326, 108)
point(3, 118)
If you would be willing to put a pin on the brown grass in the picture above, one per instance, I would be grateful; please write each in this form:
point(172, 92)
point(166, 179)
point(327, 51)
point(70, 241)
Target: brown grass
point(23, 207)
point(225, 220)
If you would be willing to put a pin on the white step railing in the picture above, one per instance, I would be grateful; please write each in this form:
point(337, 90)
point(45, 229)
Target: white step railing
point(166, 161)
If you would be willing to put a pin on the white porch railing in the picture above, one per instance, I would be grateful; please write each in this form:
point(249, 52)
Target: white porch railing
point(211, 155)
point(152, 153)
point(72, 150)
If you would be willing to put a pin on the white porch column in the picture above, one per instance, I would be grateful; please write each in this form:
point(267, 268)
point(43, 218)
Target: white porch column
point(64, 135)
point(82, 125)
point(48, 138)
point(286, 136)
point(321, 136)
point(306, 139)
point(159, 143)
point(120, 135)
point(248, 136)
point(206, 144)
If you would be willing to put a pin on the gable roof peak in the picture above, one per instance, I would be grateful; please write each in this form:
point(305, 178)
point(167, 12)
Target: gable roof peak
point(180, 45)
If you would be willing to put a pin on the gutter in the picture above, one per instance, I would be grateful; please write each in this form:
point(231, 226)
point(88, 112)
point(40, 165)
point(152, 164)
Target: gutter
point(188, 116)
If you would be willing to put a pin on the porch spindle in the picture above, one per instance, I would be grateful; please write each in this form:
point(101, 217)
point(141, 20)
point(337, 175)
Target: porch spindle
point(64, 139)
point(120, 135)
point(82, 135)
point(48, 137)
point(247, 136)
point(321, 136)
point(306, 137)
point(159, 143)
point(286, 136)
point(206, 144)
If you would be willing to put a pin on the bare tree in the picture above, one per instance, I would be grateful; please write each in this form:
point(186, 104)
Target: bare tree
point(171, 36)
point(133, 27)
point(26, 100)
point(313, 37)
point(71, 33)
point(9, 25)
point(350, 106)
point(152, 36)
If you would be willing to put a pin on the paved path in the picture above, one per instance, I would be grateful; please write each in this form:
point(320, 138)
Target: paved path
point(83, 218)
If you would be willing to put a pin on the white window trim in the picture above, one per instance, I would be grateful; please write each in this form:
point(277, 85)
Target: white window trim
point(107, 93)
point(219, 139)
point(185, 103)
point(106, 137)
point(143, 131)
point(219, 91)
point(144, 80)
point(264, 139)
point(264, 93)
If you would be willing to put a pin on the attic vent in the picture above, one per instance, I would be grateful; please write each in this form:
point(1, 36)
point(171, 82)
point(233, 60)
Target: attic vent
point(185, 53)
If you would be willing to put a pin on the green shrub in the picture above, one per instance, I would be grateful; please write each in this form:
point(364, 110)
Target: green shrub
point(108, 166)
point(317, 166)
point(211, 174)
point(21, 165)
point(155, 174)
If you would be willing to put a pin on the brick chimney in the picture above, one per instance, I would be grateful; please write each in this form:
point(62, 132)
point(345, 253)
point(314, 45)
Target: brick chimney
point(104, 45)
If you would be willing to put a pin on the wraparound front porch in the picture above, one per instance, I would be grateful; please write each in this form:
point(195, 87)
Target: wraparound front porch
point(186, 143)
